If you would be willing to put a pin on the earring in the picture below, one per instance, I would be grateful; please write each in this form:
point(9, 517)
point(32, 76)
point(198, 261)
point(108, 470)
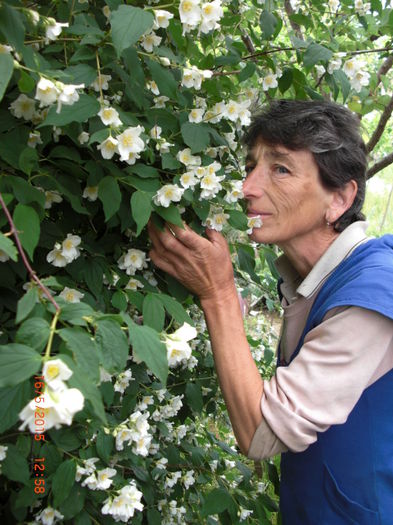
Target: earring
point(327, 223)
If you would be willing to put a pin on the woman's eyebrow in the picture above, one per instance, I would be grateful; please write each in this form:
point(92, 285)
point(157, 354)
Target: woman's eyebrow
point(276, 155)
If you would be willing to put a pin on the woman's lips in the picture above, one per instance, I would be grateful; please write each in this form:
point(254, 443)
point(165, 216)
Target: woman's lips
point(252, 213)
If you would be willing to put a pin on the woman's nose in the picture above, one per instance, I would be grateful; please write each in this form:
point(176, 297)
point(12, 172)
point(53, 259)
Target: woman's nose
point(252, 185)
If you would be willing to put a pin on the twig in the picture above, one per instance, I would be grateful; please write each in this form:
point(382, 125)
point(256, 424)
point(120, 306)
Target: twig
point(99, 77)
point(386, 209)
point(386, 114)
point(380, 165)
point(24, 258)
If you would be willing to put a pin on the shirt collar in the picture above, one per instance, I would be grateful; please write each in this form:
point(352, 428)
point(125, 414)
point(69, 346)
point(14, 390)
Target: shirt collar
point(340, 248)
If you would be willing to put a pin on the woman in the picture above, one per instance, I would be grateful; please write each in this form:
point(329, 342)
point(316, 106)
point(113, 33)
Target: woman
point(329, 407)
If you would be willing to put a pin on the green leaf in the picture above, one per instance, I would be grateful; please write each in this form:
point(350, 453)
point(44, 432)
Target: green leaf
point(147, 347)
point(64, 152)
point(26, 82)
point(63, 481)
point(194, 396)
point(216, 502)
point(110, 196)
point(25, 192)
point(341, 78)
point(11, 26)
point(128, 25)
point(99, 136)
point(84, 349)
point(81, 74)
point(175, 309)
point(6, 70)
point(12, 400)
point(119, 300)
point(27, 223)
point(26, 304)
point(65, 439)
point(153, 312)
point(15, 466)
point(316, 53)
point(87, 106)
point(144, 171)
point(113, 345)
point(268, 23)
point(164, 79)
point(28, 160)
point(83, 383)
point(141, 208)
point(170, 214)
point(196, 136)
point(34, 332)
point(17, 363)
point(8, 247)
point(104, 445)
point(74, 503)
point(237, 219)
point(74, 313)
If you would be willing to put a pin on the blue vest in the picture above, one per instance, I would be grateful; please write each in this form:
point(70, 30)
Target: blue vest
point(346, 476)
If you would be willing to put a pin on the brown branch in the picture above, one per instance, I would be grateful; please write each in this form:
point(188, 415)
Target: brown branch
point(380, 165)
point(225, 73)
point(296, 28)
point(386, 114)
point(23, 255)
point(248, 43)
point(387, 64)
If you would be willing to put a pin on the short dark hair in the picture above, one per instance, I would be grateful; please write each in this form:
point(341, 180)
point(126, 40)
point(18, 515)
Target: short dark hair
point(329, 131)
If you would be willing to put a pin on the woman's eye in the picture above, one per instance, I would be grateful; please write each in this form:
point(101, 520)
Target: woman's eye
point(282, 170)
point(248, 169)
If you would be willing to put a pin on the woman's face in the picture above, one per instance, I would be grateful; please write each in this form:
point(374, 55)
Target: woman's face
point(283, 187)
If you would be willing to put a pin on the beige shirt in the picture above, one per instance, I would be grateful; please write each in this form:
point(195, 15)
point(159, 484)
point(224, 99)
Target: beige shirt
point(346, 353)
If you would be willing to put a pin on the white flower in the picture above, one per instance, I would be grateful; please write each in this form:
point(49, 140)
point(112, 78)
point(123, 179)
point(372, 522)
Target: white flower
point(360, 79)
point(83, 137)
point(46, 92)
point(196, 115)
point(185, 157)
point(106, 11)
point(351, 67)
point(68, 95)
point(130, 142)
point(122, 381)
point(334, 63)
point(212, 12)
point(71, 296)
point(23, 107)
point(52, 196)
point(87, 469)
point(69, 247)
point(133, 284)
point(132, 261)
point(244, 514)
point(159, 102)
point(49, 516)
point(167, 194)
point(109, 116)
point(55, 372)
point(253, 222)
point(320, 70)
point(100, 480)
point(333, 5)
point(177, 344)
point(361, 7)
point(56, 257)
point(217, 112)
point(235, 193)
point(123, 435)
point(5, 50)
point(150, 41)
point(3, 452)
point(101, 81)
point(211, 185)
point(188, 179)
point(54, 29)
point(190, 12)
point(155, 132)
point(34, 139)
point(108, 147)
point(269, 81)
point(152, 86)
point(188, 479)
point(217, 221)
point(162, 18)
point(123, 506)
point(59, 408)
point(90, 193)
point(192, 77)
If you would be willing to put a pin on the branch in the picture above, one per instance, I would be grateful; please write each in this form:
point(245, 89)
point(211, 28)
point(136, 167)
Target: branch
point(248, 43)
point(380, 126)
point(387, 64)
point(32, 273)
point(296, 28)
point(380, 165)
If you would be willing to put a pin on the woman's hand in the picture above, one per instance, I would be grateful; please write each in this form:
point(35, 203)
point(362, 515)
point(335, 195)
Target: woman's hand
point(202, 265)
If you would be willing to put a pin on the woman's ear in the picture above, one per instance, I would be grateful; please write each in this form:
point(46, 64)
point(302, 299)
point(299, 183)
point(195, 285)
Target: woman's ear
point(342, 200)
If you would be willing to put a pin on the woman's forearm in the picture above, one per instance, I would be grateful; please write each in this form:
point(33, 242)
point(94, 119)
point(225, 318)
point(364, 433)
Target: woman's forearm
point(239, 378)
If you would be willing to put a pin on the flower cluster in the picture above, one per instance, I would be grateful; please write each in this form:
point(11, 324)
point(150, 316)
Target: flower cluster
point(202, 15)
point(132, 261)
point(358, 78)
point(59, 402)
point(128, 144)
point(134, 431)
point(66, 252)
point(122, 507)
point(48, 92)
point(177, 345)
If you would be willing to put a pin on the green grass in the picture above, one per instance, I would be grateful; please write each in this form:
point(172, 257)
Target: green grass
point(378, 206)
